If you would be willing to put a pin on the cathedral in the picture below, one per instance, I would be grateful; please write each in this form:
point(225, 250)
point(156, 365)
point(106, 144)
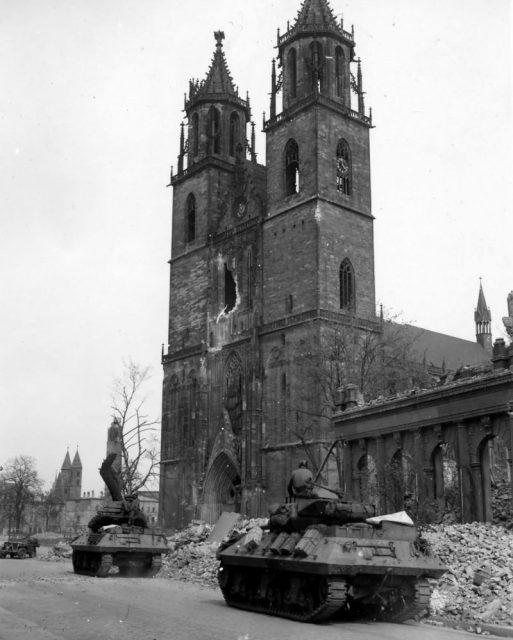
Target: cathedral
point(265, 259)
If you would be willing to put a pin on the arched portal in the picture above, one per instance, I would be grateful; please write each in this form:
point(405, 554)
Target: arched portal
point(222, 489)
point(367, 480)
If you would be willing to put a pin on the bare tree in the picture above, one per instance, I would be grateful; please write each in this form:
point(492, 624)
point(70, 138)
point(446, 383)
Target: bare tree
point(21, 483)
point(49, 507)
point(137, 432)
point(378, 357)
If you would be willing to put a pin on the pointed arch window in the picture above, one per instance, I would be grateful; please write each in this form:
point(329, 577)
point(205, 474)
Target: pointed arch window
point(317, 66)
point(234, 132)
point(347, 286)
point(249, 267)
point(292, 72)
point(344, 168)
point(213, 131)
point(291, 167)
point(190, 207)
point(195, 134)
point(339, 72)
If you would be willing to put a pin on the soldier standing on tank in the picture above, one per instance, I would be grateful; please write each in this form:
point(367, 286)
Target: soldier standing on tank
point(301, 482)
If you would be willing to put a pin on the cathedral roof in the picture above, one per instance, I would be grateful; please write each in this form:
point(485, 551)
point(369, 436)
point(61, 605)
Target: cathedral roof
point(482, 313)
point(76, 461)
point(314, 13)
point(67, 462)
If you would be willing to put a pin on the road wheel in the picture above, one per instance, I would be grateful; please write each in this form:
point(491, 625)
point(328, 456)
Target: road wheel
point(22, 553)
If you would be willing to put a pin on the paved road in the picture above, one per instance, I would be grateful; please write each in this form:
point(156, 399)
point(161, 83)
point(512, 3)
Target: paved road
point(46, 601)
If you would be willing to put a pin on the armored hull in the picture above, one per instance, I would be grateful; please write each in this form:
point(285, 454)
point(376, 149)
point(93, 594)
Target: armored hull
point(136, 551)
point(311, 565)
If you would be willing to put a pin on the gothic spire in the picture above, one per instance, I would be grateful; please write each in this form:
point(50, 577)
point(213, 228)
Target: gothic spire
point(483, 320)
point(219, 79)
point(482, 313)
point(77, 463)
point(218, 82)
point(315, 13)
point(67, 461)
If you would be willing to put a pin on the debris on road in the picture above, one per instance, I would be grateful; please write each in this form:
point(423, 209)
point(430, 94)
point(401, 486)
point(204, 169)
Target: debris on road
point(59, 551)
point(192, 557)
point(478, 586)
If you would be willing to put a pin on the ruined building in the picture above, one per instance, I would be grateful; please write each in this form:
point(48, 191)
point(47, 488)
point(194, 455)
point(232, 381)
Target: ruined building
point(264, 260)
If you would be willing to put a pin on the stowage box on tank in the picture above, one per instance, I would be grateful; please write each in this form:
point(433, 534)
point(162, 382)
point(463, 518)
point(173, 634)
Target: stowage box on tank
point(118, 536)
point(320, 557)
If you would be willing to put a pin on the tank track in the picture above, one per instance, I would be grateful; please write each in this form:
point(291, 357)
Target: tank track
point(91, 564)
point(282, 594)
point(156, 564)
point(412, 607)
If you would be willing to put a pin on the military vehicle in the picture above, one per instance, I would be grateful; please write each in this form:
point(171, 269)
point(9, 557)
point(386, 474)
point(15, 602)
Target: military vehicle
point(118, 536)
point(19, 546)
point(324, 556)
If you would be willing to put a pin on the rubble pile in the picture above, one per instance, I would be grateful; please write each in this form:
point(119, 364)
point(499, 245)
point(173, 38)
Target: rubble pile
point(59, 551)
point(192, 558)
point(501, 504)
point(476, 589)
point(478, 586)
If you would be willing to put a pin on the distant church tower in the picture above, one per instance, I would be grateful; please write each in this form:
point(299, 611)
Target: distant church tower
point(68, 485)
point(483, 320)
point(264, 259)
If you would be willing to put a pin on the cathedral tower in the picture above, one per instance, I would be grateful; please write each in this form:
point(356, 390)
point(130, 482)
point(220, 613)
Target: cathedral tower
point(318, 158)
point(68, 485)
point(264, 261)
point(211, 363)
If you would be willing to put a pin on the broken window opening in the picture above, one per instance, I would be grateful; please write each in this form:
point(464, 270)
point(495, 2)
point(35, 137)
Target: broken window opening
point(230, 290)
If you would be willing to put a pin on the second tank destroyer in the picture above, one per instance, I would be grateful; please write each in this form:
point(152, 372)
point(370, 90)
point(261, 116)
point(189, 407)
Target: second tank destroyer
point(118, 536)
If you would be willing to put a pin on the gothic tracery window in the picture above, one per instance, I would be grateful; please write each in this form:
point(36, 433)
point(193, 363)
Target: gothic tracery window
point(344, 168)
point(339, 72)
point(195, 134)
point(234, 132)
point(347, 286)
point(291, 167)
point(317, 66)
point(213, 131)
point(292, 69)
point(190, 232)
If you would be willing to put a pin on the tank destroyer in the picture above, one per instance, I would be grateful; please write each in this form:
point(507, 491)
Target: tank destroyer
point(118, 536)
point(322, 556)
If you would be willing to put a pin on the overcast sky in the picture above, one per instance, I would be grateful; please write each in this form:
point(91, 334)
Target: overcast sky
point(90, 108)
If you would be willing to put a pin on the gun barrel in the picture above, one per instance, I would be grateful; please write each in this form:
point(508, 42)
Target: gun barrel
point(110, 477)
